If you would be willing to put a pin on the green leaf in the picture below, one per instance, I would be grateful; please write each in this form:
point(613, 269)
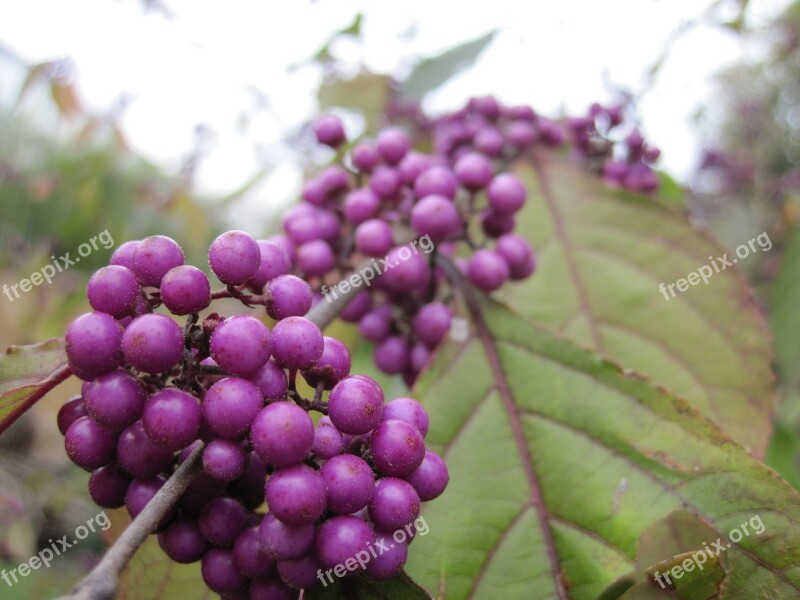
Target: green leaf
point(27, 373)
point(785, 300)
point(367, 92)
point(602, 258)
point(400, 587)
point(433, 72)
point(560, 461)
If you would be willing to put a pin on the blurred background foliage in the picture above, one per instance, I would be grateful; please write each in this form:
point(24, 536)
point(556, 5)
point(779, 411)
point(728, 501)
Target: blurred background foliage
point(67, 174)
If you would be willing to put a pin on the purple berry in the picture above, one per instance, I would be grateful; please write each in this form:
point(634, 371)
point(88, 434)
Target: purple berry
point(486, 106)
point(419, 357)
point(406, 269)
point(285, 542)
point(296, 495)
point(413, 165)
point(392, 354)
point(139, 456)
point(350, 483)
point(517, 253)
point(296, 343)
point(361, 204)
point(274, 262)
point(388, 562)
point(108, 485)
point(185, 290)
point(222, 520)
point(436, 180)
point(365, 156)
point(358, 306)
point(182, 541)
point(241, 345)
point(521, 134)
point(385, 182)
point(115, 399)
point(124, 255)
point(487, 270)
point(154, 257)
point(355, 405)
point(394, 504)
point(473, 170)
point(329, 130)
point(299, 573)
point(139, 494)
point(153, 343)
point(230, 405)
point(332, 367)
point(250, 557)
point(282, 434)
point(327, 441)
point(376, 325)
point(88, 444)
point(489, 141)
point(113, 290)
point(494, 225)
point(72, 410)
point(393, 143)
point(432, 323)
point(334, 180)
point(430, 478)
point(234, 257)
point(397, 447)
point(374, 237)
point(314, 191)
point(437, 217)
point(408, 410)
point(93, 343)
point(287, 296)
point(271, 380)
point(219, 571)
point(172, 419)
point(224, 459)
point(340, 539)
point(506, 194)
point(315, 258)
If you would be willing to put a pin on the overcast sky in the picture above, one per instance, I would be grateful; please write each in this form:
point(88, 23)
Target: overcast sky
point(198, 65)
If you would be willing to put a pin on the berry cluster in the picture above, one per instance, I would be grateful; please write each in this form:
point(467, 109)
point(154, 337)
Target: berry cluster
point(385, 201)
point(622, 160)
point(154, 391)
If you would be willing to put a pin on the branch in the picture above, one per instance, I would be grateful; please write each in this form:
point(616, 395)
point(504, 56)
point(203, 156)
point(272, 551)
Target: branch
point(103, 581)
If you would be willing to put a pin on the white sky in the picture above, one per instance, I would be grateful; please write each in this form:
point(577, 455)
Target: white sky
point(196, 67)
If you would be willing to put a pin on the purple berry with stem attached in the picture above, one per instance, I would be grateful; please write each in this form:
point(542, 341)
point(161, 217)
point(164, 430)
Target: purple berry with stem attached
point(329, 130)
point(332, 367)
point(185, 290)
point(487, 270)
point(394, 504)
point(241, 345)
point(153, 343)
point(282, 434)
point(397, 447)
point(93, 343)
point(297, 343)
point(296, 495)
point(154, 257)
point(355, 405)
point(230, 405)
point(113, 290)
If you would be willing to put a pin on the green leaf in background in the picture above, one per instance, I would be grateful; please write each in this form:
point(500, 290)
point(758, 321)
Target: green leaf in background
point(602, 256)
point(27, 373)
point(367, 92)
point(560, 461)
point(435, 71)
point(785, 301)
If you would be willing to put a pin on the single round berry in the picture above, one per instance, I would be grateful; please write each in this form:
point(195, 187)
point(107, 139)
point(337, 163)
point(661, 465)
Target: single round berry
point(113, 290)
point(373, 237)
point(249, 487)
point(271, 380)
point(418, 357)
point(489, 141)
point(413, 165)
point(296, 343)
point(88, 444)
point(437, 217)
point(329, 130)
point(154, 257)
point(153, 343)
point(115, 399)
point(494, 224)
point(172, 419)
point(392, 355)
point(334, 180)
point(487, 270)
point(275, 261)
point(406, 269)
point(388, 562)
point(506, 194)
point(287, 296)
point(340, 539)
point(72, 410)
point(394, 504)
point(393, 143)
point(385, 182)
point(282, 434)
point(397, 447)
point(350, 483)
point(241, 345)
point(222, 520)
point(432, 323)
point(296, 495)
point(332, 367)
point(182, 541)
point(139, 494)
point(285, 542)
point(250, 557)
point(410, 411)
point(327, 441)
point(230, 405)
point(361, 204)
point(219, 571)
point(139, 456)
point(430, 478)
point(376, 325)
point(358, 306)
point(108, 485)
point(234, 257)
point(365, 156)
point(185, 290)
point(315, 258)
point(517, 253)
point(521, 134)
point(436, 180)
point(355, 405)
point(473, 170)
point(93, 343)
point(300, 573)
point(224, 459)
point(124, 255)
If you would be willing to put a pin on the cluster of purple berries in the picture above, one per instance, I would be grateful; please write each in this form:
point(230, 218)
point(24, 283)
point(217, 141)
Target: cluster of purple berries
point(384, 201)
point(154, 392)
point(622, 161)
